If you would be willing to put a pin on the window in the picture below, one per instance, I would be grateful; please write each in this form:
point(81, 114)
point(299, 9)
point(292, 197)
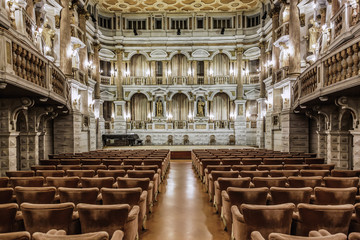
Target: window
point(179, 24)
point(200, 68)
point(252, 21)
point(158, 23)
point(137, 24)
point(200, 23)
point(105, 68)
point(105, 22)
point(219, 23)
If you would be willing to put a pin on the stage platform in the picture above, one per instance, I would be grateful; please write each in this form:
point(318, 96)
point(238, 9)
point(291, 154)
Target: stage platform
point(179, 147)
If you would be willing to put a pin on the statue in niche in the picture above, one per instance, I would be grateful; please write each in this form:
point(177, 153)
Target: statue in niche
point(201, 108)
point(314, 31)
point(159, 108)
point(48, 35)
point(355, 13)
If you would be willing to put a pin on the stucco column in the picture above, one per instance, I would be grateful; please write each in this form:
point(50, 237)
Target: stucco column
point(194, 68)
point(294, 35)
point(30, 9)
point(262, 67)
point(239, 80)
point(275, 51)
point(206, 72)
point(119, 77)
point(83, 16)
point(153, 72)
point(96, 62)
point(335, 5)
point(65, 37)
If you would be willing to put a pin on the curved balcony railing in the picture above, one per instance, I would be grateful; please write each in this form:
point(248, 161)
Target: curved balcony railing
point(282, 31)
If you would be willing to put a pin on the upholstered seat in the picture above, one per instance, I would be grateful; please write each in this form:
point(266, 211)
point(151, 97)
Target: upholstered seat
point(345, 173)
point(120, 167)
point(20, 174)
point(78, 195)
point(252, 174)
point(211, 168)
point(70, 182)
point(70, 161)
point(4, 181)
point(333, 218)
point(310, 173)
point(98, 182)
point(295, 166)
point(270, 167)
point(68, 167)
point(280, 195)
point(109, 218)
point(143, 183)
point(43, 167)
point(6, 195)
point(61, 235)
point(50, 173)
point(151, 174)
point(95, 168)
point(223, 183)
point(214, 175)
point(313, 235)
point(39, 195)
point(263, 218)
point(80, 173)
point(300, 182)
point(111, 173)
point(237, 196)
point(328, 167)
point(335, 196)
point(284, 173)
point(108, 162)
point(244, 168)
point(269, 181)
point(131, 196)
point(7, 216)
point(43, 217)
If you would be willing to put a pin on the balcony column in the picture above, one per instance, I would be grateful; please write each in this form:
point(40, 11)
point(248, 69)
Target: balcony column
point(194, 67)
point(96, 62)
point(153, 72)
point(206, 72)
point(294, 40)
point(262, 69)
point(164, 72)
point(65, 36)
point(83, 16)
point(30, 9)
point(275, 51)
point(190, 76)
point(119, 76)
point(335, 5)
point(239, 79)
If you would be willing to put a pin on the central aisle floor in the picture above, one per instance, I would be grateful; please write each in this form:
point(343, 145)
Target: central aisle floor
point(183, 210)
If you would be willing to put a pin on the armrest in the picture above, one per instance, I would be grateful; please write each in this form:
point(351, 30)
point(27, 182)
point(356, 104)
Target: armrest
point(255, 235)
point(216, 185)
point(56, 232)
point(151, 185)
point(210, 177)
point(134, 212)
point(236, 214)
point(225, 195)
point(143, 196)
point(118, 235)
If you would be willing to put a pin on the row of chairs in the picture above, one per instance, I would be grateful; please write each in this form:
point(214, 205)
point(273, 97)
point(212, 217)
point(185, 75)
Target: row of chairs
point(104, 161)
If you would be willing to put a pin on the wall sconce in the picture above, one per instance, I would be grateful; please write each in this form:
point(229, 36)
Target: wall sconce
point(149, 117)
point(246, 71)
point(169, 117)
point(248, 115)
point(127, 73)
point(89, 65)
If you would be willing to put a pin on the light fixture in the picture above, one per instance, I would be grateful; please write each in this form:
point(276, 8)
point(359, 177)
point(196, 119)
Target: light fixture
point(211, 72)
point(65, 111)
point(296, 111)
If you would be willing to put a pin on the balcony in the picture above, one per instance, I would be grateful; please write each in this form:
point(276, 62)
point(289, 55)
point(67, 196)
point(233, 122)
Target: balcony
point(26, 68)
point(282, 32)
point(76, 32)
point(222, 79)
point(281, 74)
point(105, 80)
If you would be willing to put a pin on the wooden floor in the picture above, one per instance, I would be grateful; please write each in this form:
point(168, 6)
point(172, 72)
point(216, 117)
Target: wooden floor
point(183, 210)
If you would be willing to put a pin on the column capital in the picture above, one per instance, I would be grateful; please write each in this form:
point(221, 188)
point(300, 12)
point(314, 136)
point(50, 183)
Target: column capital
point(119, 51)
point(275, 11)
point(262, 45)
point(240, 50)
point(96, 46)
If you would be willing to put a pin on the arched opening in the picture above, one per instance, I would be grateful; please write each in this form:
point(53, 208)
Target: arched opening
point(221, 65)
point(220, 107)
point(180, 107)
point(346, 124)
point(139, 67)
point(21, 140)
point(46, 138)
point(179, 65)
point(139, 106)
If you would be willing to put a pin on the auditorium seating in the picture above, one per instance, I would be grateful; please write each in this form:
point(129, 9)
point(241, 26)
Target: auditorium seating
point(23, 235)
point(61, 235)
point(313, 235)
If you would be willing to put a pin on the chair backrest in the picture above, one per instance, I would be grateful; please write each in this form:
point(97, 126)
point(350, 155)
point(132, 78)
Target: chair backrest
point(300, 182)
point(314, 160)
point(26, 181)
point(7, 219)
point(333, 218)
point(345, 173)
point(90, 161)
point(50, 173)
point(211, 168)
point(43, 217)
point(68, 167)
point(23, 235)
point(270, 167)
point(107, 218)
point(328, 167)
point(231, 161)
point(240, 196)
point(6, 195)
point(78, 195)
point(244, 168)
point(295, 166)
point(4, 181)
point(43, 167)
point(280, 195)
point(341, 182)
point(70, 182)
point(335, 196)
point(253, 174)
point(20, 173)
point(147, 167)
point(111, 173)
point(267, 218)
point(108, 162)
point(273, 161)
point(39, 195)
point(284, 173)
point(95, 168)
point(227, 174)
point(282, 236)
point(224, 183)
point(98, 182)
point(143, 183)
point(80, 173)
point(121, 167)
point(102, 235)
point(309, 173)
point(129, 196)
point(269, 181)
point(141, 174)
point(70, 161)
point(153, 162)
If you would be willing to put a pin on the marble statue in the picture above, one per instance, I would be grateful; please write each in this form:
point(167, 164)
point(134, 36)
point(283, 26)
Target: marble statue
point(313, 36)
point(159, 108)
point(48, 35)
point(201, 108)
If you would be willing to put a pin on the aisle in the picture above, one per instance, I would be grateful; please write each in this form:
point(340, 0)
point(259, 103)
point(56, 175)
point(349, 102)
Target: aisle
point(183, 211)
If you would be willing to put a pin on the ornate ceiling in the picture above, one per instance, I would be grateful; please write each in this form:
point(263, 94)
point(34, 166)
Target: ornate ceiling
point(138, 6)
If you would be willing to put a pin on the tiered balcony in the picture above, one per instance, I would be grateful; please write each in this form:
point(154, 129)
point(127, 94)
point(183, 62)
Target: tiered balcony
point(181, 125)
point(182, 80)
point(282, 32)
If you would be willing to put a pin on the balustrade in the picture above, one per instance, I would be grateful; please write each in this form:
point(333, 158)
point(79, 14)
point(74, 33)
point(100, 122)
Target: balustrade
point(309, 81)
point(296, 90)
point(179, 80)
point(77, 32)
point(281, 31)
point(105, 80)
point(281, 74)
point(58, 81)
point(139, 80)
point(221, 79)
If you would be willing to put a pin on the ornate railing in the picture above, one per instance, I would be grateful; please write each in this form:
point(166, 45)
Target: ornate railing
point(178, 80)
point(105, 80)
point(77, 32)
point(222, 79)
point(253, 78)
point(200, 80)
point(139, 80)
point(281, 31)
point(309, 81)
point(281, 74)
